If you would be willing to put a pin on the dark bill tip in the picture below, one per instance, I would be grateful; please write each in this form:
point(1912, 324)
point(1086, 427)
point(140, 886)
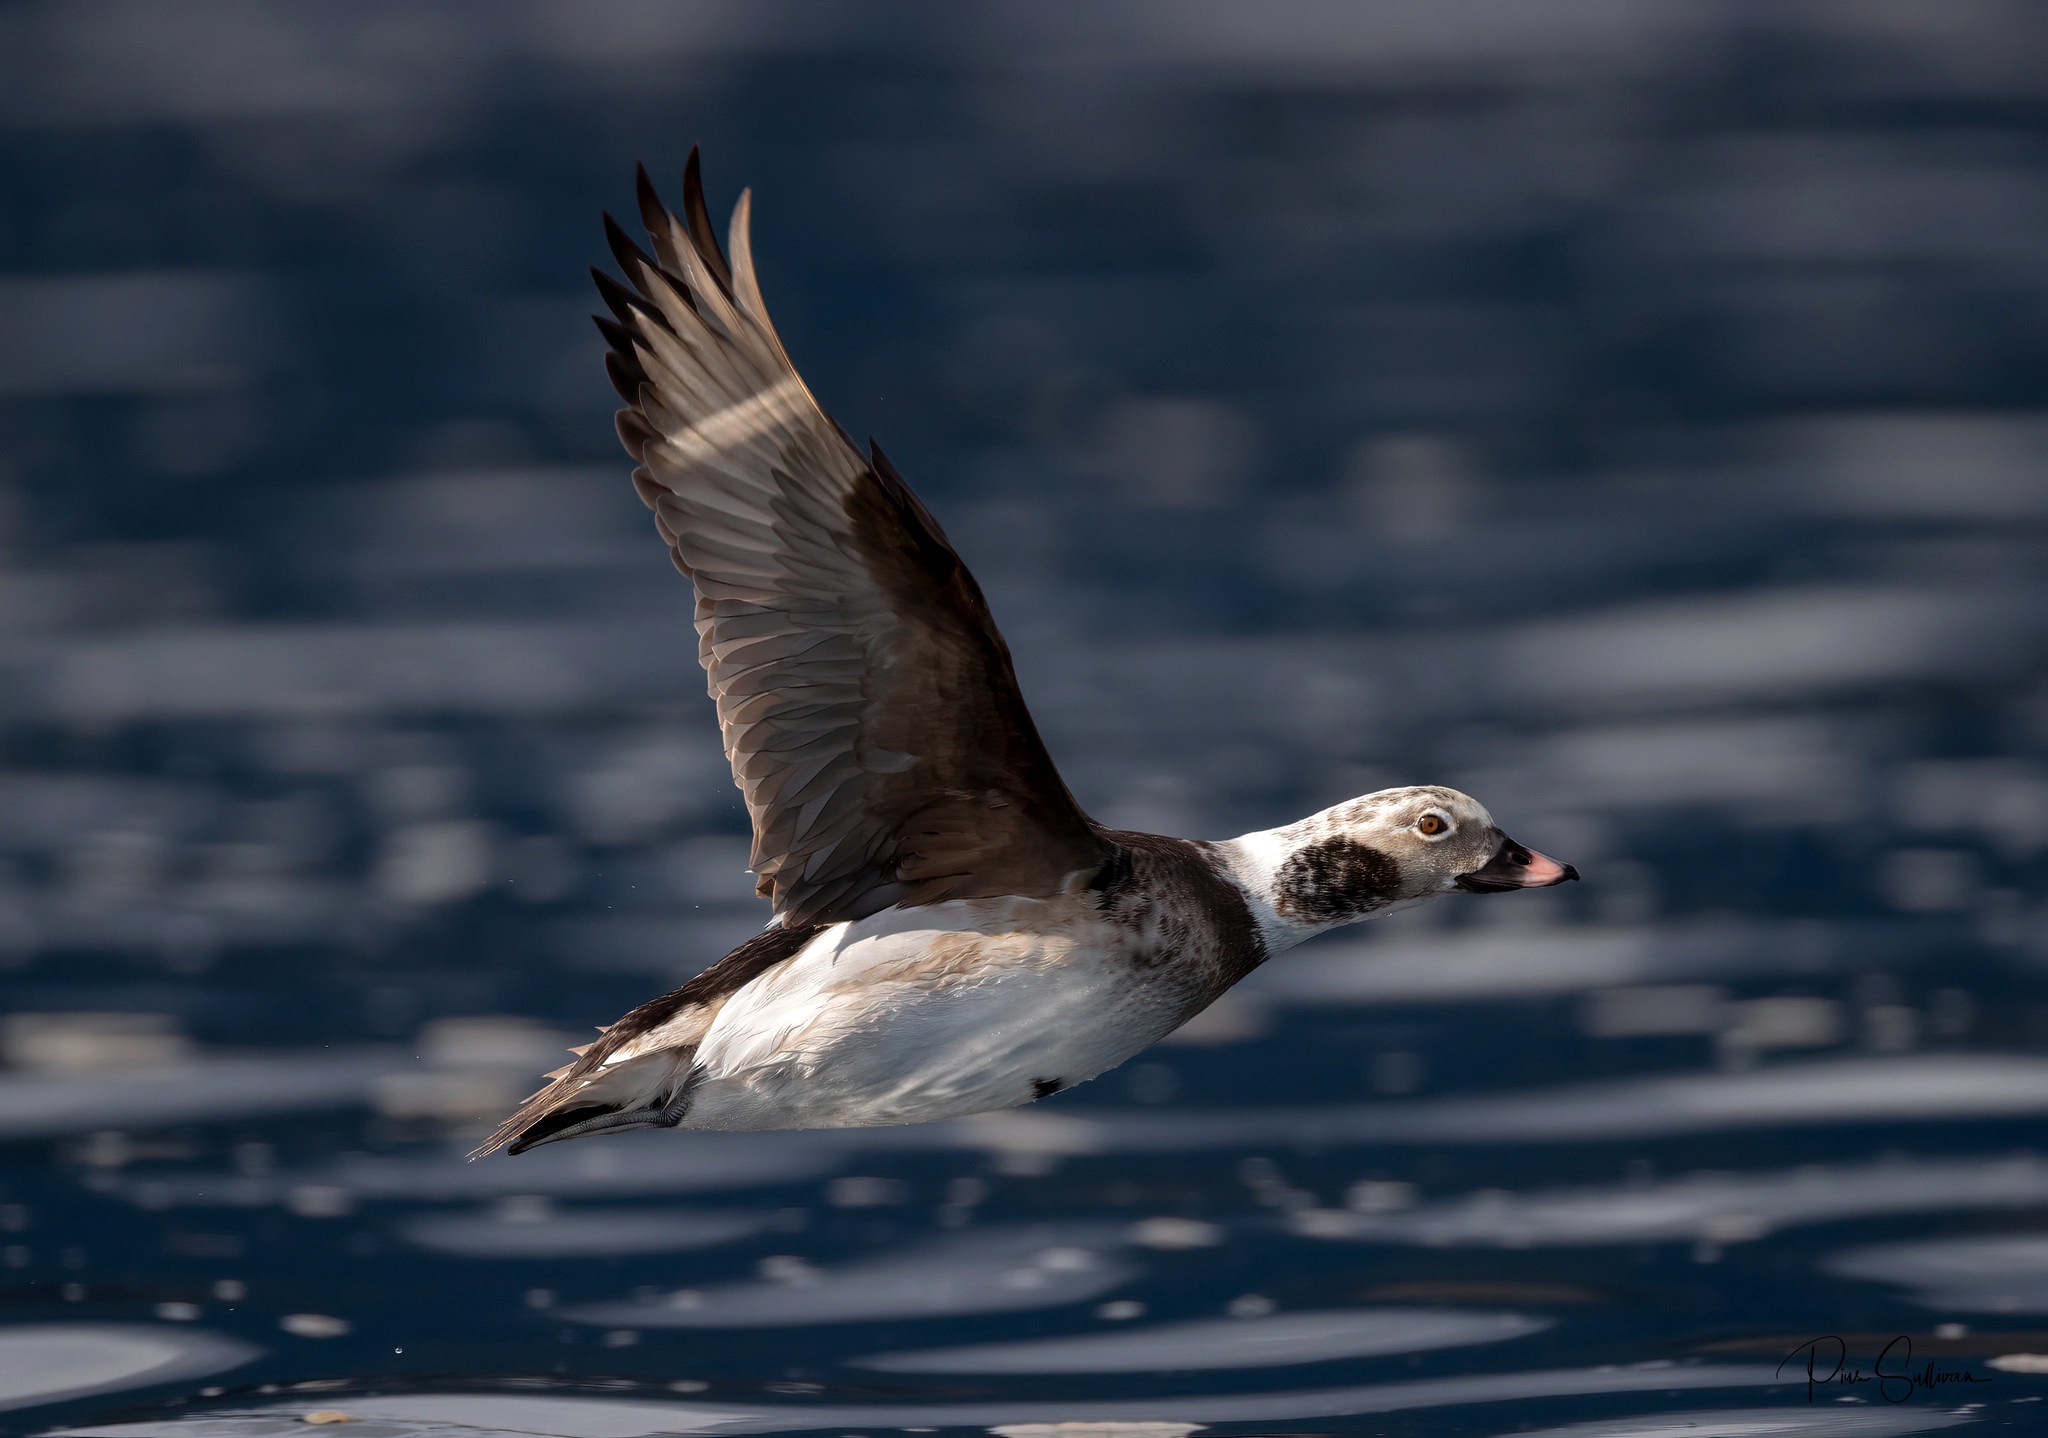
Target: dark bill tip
point(1515, 867)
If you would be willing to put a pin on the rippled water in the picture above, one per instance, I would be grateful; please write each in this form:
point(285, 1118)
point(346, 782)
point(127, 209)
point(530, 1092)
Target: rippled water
point(1631, 414)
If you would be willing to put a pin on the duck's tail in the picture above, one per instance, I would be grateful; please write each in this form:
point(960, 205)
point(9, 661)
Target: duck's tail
point(652, 1091)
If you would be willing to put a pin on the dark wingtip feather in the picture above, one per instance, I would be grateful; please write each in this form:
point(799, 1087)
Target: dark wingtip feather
point(653, 214)
point(638, 308)
point(626, 376)
point(615, 334)
point(629, 255)
point(617, 298)
point(621, 361)
point(697, 219)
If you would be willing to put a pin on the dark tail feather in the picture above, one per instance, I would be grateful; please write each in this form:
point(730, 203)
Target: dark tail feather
point(537, 1108)
point(572, 1101)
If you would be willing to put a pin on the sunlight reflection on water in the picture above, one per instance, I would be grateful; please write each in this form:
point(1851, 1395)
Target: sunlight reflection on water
point(996, 1270)
point(43, 1363)
point(1225, 1343)
point(424, 1415)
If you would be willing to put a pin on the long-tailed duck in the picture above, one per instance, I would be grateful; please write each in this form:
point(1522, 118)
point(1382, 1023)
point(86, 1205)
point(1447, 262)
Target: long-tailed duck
point(951, 933)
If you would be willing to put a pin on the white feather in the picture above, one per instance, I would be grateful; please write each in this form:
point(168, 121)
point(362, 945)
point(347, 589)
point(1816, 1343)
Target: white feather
point(909, 1016)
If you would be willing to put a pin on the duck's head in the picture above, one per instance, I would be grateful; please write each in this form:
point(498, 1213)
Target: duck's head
point(1370, 853)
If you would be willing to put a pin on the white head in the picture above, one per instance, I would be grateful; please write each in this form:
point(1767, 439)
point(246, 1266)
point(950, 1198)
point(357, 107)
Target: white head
point(1363, 856)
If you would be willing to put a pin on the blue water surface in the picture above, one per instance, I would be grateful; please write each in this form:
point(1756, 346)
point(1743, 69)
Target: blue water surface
point(1633, 414)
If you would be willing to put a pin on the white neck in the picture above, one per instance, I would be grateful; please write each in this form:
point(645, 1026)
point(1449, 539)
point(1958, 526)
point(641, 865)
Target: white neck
point(1254, 860)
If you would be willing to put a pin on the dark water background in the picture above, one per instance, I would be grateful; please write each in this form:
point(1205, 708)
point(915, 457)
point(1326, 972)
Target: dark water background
point(1633, 413)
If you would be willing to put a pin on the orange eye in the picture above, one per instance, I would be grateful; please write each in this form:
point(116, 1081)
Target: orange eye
point(1432, 824)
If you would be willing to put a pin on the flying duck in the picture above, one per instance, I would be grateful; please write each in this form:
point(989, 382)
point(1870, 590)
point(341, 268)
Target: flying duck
point(951, 933)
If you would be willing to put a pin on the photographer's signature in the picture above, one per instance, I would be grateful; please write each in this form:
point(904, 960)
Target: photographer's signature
point(1826, 1361)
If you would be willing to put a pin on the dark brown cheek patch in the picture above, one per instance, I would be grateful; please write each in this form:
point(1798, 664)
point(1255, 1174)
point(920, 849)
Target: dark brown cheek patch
point(1335, 879)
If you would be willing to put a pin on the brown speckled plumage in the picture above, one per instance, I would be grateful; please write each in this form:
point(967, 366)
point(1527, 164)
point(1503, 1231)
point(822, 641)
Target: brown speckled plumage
point(1182, 908)
point(1334, 879)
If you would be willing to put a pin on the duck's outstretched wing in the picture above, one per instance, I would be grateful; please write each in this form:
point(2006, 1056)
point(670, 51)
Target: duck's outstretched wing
point(868, 704)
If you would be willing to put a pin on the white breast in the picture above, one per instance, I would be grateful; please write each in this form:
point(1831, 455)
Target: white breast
point(909, 1016)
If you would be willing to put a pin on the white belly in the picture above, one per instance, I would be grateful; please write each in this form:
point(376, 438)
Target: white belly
point(909, 1017)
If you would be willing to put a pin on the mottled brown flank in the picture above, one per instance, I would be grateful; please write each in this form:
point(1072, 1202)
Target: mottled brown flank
point(723, 979)
point(1335, 879)
point(1183, 908)
point(954, 958)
